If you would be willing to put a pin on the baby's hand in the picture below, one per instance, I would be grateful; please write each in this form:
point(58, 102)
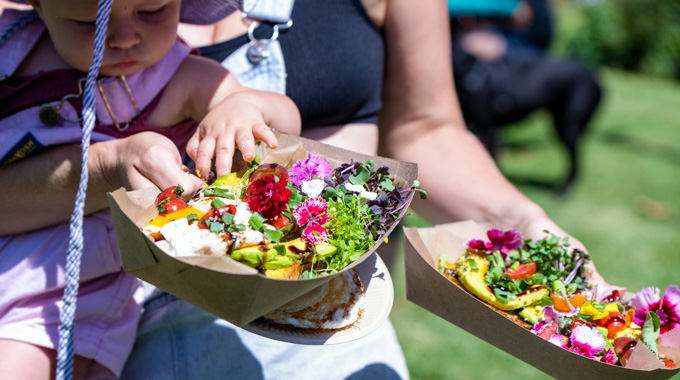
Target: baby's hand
point(235, 122)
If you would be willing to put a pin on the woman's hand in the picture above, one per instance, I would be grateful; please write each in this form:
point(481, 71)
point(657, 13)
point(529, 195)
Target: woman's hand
point(535, 227)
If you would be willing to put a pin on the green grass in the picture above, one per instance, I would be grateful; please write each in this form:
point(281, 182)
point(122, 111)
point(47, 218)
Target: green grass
point(625, 207)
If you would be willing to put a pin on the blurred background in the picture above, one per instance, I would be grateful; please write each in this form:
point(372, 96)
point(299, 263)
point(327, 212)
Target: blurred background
point(623, 200)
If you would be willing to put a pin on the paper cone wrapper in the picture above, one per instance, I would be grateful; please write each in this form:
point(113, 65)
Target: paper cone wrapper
point(429, 289)
point(218, 284)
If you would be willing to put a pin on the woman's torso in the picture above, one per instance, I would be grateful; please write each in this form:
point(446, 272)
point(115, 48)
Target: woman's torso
point(334, 58)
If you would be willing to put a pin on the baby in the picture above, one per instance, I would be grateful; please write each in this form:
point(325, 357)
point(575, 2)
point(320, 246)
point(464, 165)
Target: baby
point(150, 87)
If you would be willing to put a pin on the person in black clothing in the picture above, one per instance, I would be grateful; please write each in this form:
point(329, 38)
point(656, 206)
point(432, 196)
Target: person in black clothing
point(503, 73)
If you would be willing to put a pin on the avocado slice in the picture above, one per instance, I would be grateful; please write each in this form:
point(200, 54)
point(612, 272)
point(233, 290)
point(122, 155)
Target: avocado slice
point(270, 258)
point(229, 179)
point(473, 281)
point(530, 314)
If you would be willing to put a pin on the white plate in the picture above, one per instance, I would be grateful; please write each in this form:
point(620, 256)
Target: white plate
point(375, 309)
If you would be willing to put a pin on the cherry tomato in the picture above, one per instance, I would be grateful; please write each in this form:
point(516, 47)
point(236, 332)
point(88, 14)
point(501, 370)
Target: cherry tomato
point(576, 323)
point(562, 304)
point(269, 169)
point(614, 326)
point(279, 222)
point(170, 192)
point(548, 330)
point(214, 215)
point(669, 363)
point(613, 297)
point(171, 204)
point(623, 345)
point(523, 270)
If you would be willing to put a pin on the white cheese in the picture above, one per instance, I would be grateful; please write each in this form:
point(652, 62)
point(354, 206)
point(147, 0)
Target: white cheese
point(313, 188)
point(183, 239)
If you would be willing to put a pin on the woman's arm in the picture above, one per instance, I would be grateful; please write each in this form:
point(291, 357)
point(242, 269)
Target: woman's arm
point(39, 190)
point(421, 122)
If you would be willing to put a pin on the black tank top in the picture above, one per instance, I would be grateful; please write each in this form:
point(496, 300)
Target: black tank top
point(334, 58)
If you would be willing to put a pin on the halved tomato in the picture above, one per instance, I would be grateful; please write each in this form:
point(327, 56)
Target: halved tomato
point(170, 192)
point(172, 204)
point(523, 270)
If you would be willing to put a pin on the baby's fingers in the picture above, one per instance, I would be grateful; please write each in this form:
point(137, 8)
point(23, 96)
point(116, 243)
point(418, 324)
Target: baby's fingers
point(262, 132)
point(246, 143)
point(203, 157)
point(224, 154)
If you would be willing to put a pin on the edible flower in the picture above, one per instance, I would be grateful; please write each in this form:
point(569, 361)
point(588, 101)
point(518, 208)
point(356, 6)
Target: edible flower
point(269, 196)
point(609, 357)
point(586, 341)
point(314, 234)
point(312, 215)
point(502, 241)
point(314, 167)
point(668, 308)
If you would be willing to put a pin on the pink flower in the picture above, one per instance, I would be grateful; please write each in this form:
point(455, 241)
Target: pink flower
point(559, 340)
point(311, 168)
point(609, 357)
point(668, 308)
point(311, 211)
point(314, 234)
point(312, 215)
point(587, 341)
point(502, 241)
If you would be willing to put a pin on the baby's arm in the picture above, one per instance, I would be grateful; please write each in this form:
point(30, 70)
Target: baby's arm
point(230, 115)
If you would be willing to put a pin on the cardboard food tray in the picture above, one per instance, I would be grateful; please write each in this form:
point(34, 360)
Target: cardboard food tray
point(374, 311)
point(429, 289)
point(228, 289)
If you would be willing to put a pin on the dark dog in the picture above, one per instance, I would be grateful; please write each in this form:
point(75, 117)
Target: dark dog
point(498, 93)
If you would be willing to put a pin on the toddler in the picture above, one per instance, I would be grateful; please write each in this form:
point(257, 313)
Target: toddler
point(150, 86)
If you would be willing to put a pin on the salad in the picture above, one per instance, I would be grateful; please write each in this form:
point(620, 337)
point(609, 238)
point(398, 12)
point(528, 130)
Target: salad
point(299, 222)
point(544, 286)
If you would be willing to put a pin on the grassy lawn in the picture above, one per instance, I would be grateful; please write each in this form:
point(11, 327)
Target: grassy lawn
point(625, 207)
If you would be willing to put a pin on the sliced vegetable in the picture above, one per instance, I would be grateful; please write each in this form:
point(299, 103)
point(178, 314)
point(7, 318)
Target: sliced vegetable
point(522, 270)
point(170, 205)
point(562, 304)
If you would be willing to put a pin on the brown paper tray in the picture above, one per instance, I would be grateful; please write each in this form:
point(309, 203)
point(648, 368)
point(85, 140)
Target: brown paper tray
point(429, 289)
point(220, 285)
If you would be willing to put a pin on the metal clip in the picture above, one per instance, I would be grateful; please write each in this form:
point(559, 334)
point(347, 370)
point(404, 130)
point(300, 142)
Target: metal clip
point(258, 49)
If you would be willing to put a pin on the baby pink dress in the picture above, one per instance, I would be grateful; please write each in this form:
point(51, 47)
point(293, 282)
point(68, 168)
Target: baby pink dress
point(32, 263)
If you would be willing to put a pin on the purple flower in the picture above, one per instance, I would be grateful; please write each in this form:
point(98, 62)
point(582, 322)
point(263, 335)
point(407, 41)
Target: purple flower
point(502, 241)
point(668, 308)
point(480, 245)
point(587, 341)
point(311, 168)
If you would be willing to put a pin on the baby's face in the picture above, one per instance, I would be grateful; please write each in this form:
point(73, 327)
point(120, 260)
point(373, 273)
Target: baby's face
point(139, 33)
